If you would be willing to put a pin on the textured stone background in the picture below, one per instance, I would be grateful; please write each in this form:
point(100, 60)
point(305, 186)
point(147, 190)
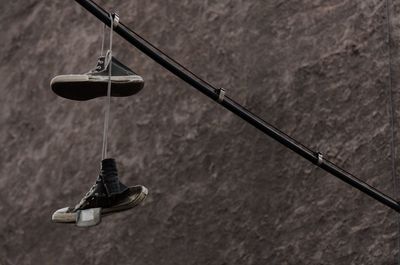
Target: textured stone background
point(220, 191)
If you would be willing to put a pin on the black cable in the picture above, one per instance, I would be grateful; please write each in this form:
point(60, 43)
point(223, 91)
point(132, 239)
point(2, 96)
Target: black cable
point(212, 92)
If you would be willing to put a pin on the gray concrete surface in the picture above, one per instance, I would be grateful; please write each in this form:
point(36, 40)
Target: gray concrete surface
point(220, 191)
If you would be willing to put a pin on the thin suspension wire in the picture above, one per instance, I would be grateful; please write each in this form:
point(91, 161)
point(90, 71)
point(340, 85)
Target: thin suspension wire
point(392, 122)
point(103, 39)
point(108, 98)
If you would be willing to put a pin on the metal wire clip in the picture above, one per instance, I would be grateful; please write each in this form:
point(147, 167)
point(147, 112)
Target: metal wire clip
point(320, 158)
point(116, 20)
point(221, 94)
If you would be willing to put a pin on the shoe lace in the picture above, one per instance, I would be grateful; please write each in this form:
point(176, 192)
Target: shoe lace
point(98, 67)
point(88, 194)
point(108, 99)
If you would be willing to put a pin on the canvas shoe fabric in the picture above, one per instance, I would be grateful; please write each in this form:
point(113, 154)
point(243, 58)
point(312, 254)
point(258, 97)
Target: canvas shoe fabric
point(132, 198)
point(108, 193)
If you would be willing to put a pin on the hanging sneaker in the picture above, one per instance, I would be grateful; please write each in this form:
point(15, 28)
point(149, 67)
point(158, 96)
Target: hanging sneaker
point(108, 193)
point(94, 84)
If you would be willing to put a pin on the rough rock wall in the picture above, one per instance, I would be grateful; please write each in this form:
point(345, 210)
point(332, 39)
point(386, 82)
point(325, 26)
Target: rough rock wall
point(221, 192)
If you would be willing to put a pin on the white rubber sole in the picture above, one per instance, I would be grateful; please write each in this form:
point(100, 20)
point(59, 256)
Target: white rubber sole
point(94, 78)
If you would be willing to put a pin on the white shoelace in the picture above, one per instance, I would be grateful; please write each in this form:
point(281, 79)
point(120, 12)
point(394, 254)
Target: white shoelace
point(108, 59)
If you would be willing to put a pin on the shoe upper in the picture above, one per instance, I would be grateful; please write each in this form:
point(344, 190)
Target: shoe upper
point(117, 68)
point(107, 191)
point(97, 197)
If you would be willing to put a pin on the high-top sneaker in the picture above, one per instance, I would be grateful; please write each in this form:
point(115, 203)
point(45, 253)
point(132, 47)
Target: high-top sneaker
point(107, 193)
point(124, 82)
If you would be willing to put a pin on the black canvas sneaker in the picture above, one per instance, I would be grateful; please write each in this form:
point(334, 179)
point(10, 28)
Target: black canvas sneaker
point(94, 84)
point(108, 193)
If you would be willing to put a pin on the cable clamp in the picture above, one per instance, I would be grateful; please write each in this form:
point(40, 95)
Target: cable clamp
point(320, 158)
point(221, 94)
point(116, 20)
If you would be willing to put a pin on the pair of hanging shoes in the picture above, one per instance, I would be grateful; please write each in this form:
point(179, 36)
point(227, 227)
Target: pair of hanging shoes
point(106, 196)
point(93, 84)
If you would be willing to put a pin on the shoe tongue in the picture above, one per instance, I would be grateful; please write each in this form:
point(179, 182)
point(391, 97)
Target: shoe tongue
point(109, 175)
point(108, 169)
